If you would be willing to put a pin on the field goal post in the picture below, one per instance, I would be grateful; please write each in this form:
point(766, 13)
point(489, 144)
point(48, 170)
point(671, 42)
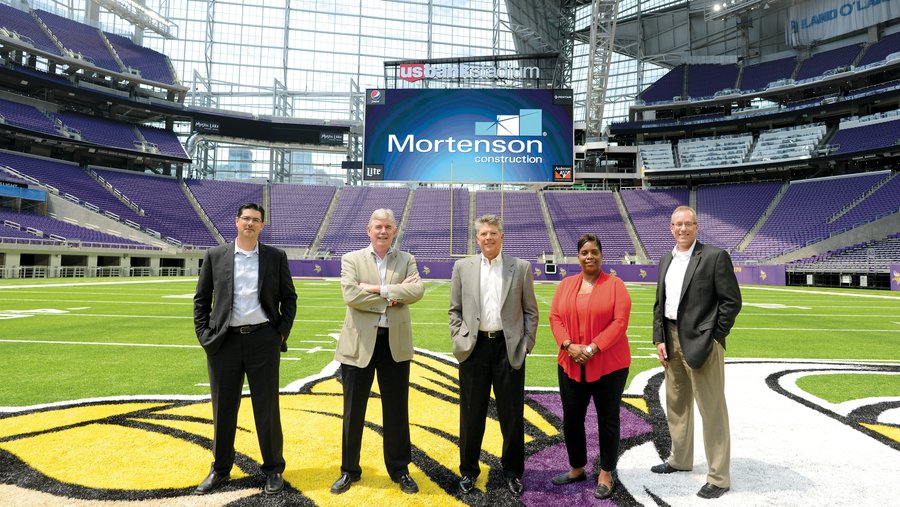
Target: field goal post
point(502, 196)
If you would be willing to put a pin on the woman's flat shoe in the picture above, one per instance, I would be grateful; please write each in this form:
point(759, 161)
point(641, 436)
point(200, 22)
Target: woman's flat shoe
point(564, 478)
point(603, 491)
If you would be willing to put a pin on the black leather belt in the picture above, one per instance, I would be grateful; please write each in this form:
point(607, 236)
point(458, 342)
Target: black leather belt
point(670, 321)
point(251, 328)
point(490, 334)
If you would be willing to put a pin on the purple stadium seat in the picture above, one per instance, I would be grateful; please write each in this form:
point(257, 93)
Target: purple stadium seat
point(165, 140)
point(705, 79)
point(758, 75)
point(525, 233)
point(802, 215)
point(650, 212)
point(27, 28)
point(152, 65)
point(220, 201)
point(101, 131)
point(80, 38)
point(866, 136)
point(347, 228)
point(27, 117)
point(166, 208)
point(296, 211)
point(665, 88)
point(576, 213)
point(726, 213)
point(428, 231)
point(71, 233)
point(880, 50)
point(819, 63)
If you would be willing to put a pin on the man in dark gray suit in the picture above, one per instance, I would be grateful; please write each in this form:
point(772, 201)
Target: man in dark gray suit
point(493, 325)
point(243, 312)
point(697, 301)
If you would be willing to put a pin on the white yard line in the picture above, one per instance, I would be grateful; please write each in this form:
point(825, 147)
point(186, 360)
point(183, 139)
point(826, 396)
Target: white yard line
point(86, 284)
point(821, 292)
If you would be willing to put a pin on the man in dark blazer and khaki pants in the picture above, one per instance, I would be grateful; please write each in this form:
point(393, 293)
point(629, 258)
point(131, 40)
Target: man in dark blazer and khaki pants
point(697, 301)
point(244, 308)
point(493, 326)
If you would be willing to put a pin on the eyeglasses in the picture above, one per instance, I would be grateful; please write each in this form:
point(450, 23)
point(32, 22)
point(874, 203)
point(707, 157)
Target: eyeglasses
point(688, 225)
point(250, 219)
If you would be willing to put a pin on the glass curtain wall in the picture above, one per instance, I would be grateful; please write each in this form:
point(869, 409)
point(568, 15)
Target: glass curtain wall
point(302, 58)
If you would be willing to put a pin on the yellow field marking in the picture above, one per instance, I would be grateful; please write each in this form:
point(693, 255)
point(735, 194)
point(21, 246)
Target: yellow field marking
point(891, 432)
point(638, 403)
point(51, 419)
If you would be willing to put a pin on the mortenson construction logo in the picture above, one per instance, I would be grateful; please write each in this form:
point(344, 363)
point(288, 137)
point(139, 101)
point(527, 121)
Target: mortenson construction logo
point(413, 72)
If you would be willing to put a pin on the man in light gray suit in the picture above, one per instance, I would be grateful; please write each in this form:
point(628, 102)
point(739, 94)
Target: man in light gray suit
point(378, 283)
point(493, 325)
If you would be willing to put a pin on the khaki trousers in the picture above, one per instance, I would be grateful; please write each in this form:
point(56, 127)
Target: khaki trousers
point(706, 386)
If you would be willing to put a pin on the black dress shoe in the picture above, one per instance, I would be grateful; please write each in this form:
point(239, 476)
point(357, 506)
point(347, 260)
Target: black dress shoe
point(711, 491)
point(466, 484)
point(514, 485)
point(274, 484)
point(212, 481)
point(665, 468)
point(343, 483)
point(407, 484)
point(564, 478)
point(603, 491)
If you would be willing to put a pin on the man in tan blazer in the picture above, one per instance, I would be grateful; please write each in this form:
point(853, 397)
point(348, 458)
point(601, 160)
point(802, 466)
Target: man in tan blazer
point(378, 283)
point(493, 325)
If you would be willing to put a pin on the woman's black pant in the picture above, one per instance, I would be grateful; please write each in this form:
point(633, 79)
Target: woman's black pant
point(576, 396)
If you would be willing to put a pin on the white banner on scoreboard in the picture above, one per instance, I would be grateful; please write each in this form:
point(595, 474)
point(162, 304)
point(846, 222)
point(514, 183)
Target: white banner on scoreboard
point(817, 20)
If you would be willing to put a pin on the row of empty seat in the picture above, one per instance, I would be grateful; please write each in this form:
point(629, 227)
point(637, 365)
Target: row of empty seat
point(808, 211)
point(92, 129)
point(703, 81)
point(55, 34)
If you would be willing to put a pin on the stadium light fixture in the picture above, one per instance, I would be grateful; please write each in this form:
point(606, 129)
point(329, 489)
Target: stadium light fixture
point(728, 8)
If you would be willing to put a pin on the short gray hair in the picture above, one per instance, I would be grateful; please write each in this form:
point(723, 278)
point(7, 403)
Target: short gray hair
point(382, 214)
point(686, 208)
point(489, 219)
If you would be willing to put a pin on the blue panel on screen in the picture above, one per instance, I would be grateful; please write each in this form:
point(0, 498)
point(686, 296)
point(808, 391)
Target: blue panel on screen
point(477, 136)
point(485, 128)
point(530, 122)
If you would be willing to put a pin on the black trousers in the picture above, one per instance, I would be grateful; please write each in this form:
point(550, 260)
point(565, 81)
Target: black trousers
point(258, 356)
point(487, 366)
point(576, 396)
point(393, 382)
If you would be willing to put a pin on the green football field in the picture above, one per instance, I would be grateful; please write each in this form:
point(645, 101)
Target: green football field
point(89, 338)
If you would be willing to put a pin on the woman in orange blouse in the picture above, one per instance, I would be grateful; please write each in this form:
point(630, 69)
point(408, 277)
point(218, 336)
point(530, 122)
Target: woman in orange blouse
point(589, 317)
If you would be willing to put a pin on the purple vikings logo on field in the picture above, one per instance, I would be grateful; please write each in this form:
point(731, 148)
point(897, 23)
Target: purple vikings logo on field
point(155, 449)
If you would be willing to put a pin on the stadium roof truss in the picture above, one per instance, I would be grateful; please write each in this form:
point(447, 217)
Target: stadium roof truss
point(140, 16)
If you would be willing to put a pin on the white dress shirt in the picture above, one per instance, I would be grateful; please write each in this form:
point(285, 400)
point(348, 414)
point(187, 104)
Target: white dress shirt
point(675, 280)
point(245, 309)
point(491, 286)
point(381, 266)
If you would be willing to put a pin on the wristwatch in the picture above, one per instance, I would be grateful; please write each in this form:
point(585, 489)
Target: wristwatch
point(565, 346)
